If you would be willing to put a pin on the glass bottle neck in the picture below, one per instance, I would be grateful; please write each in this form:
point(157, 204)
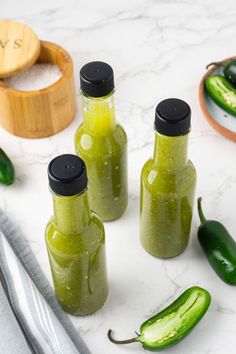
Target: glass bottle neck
point(71, 214)
point(99, 113)
point(170, 152)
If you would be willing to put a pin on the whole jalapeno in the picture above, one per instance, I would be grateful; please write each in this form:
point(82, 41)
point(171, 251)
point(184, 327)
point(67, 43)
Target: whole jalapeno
point(7, 174)
point(218, 246)
point(229, 69)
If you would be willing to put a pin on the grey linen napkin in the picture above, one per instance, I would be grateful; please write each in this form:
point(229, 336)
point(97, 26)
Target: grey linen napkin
point(45, 328)
point(12, 340)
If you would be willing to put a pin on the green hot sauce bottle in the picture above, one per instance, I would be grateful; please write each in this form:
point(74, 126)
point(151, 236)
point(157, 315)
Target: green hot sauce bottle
point(168, 182)
point(102, 143)
point(75, 240)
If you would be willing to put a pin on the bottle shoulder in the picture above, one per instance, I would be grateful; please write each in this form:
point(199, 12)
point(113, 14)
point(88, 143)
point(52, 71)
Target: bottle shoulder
point(87, 142)
point(159, 181)
point(150, 166)
point(118, 129)
point(87, 240)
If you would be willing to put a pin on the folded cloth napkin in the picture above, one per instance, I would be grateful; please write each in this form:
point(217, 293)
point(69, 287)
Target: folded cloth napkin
point(12, 340)
point(43, 327)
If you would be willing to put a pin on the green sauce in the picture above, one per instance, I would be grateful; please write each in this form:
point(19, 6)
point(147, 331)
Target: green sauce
point(75, 242)
point(102, 144)
point(168, 182)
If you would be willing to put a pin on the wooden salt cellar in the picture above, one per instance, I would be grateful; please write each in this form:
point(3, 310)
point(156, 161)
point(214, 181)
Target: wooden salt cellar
point(39, 113)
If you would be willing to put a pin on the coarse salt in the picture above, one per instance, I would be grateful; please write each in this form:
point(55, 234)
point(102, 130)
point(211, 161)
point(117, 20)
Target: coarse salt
point(37, 77)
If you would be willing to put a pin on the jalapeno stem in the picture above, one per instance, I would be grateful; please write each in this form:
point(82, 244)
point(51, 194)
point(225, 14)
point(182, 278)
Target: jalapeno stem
point(217, 63)
point(127, 341)
point(200, 212)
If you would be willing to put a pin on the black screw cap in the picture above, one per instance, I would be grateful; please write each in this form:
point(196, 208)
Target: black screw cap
point(67, 175)
point(96, 79)
point(173, 117)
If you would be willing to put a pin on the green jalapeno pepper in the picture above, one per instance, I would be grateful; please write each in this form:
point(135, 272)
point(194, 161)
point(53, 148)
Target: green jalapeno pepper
point(229, 69)
point(7, 174)
point(218, 246)
point(222, 92)
point(172, 324)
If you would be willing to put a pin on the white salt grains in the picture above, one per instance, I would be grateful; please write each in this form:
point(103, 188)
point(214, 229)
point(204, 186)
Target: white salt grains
point(37, 77)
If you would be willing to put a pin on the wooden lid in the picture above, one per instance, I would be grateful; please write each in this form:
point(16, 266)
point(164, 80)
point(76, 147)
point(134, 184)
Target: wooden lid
point(19, 47)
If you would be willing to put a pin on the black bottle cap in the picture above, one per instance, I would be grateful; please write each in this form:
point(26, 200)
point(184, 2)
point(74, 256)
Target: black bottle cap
point(67, 175)
point(173, 117)
point(96, 79)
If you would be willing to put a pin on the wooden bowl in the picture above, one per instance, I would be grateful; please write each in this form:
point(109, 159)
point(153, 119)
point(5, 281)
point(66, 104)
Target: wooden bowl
point(223, 122)
point(41, 113)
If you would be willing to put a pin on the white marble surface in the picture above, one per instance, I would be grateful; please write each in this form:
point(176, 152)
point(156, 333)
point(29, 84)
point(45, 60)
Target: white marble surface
point(158, 49)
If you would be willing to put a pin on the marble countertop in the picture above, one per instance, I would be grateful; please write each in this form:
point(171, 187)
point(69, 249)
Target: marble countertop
point(158, 49)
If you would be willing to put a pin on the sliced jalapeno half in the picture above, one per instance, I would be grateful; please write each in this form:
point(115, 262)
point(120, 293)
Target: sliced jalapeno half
point(222, 92)
point(172, 324)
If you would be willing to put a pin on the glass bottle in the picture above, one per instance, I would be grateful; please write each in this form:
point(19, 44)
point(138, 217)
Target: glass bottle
point(168, 182)
point(75, 240)
point(102, 143)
